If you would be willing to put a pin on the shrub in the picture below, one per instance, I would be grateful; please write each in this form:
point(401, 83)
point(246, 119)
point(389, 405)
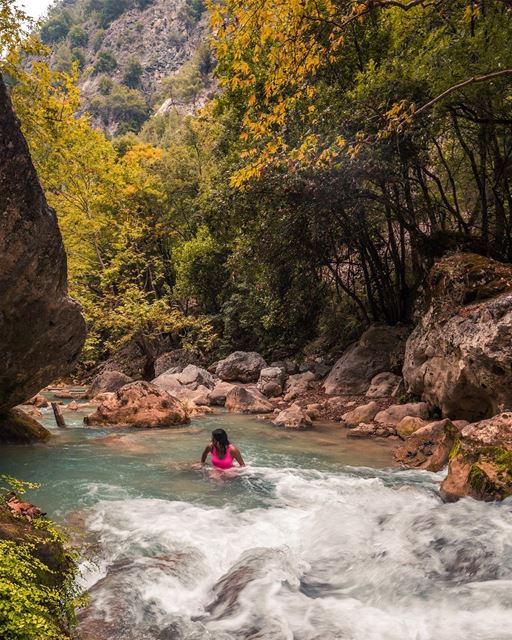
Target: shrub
point(132, 74)
point(105, 85)
point(78, 37)
point(56, 28)
point(105, 62)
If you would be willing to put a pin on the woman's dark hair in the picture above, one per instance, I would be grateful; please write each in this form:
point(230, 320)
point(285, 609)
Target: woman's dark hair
point(221, 441)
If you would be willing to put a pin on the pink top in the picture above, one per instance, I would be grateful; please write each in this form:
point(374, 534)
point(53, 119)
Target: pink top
point(223, 463)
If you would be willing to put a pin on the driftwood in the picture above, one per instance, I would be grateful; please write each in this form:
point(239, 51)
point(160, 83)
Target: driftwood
point(57, 412)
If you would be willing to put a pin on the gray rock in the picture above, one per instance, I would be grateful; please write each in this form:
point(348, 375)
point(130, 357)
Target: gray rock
point(271, 381)
point(364, 413)
point(193, 377)
point(175, 361)
point(240, 366)
point(294, 417)
point(380, 348)
point(41, 329)
point(247, 400)
point(298, 384)
point(219, 393)
point(384, 385)
point(397, 412)
point(106, 382)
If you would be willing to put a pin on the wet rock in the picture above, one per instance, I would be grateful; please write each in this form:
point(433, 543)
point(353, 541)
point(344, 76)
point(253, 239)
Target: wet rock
point(240, 366)
point(384, 385)
point(428, 448)
point(459, 357)
point(41, 329)
point(38, 401)
point(364, 413)
point(294, 417)
point(247, 400)
point(297, 385)
point(481, 461)
point(107, 382)
point(219, 393)
point(139, 404)
point(397, 412)
point(271, 381)
point(16, 427)
point(408, 425)
point(194, 377)
point(364, 430)
point(380, 348)
point(73, 406)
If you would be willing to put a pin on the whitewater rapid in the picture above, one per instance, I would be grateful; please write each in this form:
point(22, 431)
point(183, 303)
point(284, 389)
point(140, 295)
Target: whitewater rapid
point(357, 555)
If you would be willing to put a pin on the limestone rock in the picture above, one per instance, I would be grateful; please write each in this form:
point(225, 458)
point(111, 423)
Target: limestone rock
point(364, 430)
point(459, 357)
point(41, 329)
point(408, 425)
point(364, 413)
point(194, 377)
point(379, 349)
point(240, 366)
point(178, 359)
point(219, 393)
point(17, 427)
point(247, 400)
point(297, 385)
point(481, 461)
point(168, 382)
point(294, 417)
point(39, 401)
point(397, 412)
point(428, 448)
point(107, 382)
point(314, 410)
point(384, 385)
point(271, 381)
point(139, 404)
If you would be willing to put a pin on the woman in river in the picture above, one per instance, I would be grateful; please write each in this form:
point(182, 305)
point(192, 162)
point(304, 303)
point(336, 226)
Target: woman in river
point(223, 452)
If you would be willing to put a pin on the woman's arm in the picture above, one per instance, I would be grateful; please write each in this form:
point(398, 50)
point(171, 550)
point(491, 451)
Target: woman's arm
point(206, 451)
point(238, 456)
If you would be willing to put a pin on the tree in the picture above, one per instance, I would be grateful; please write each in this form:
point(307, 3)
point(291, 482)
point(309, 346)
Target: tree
point(132, 73)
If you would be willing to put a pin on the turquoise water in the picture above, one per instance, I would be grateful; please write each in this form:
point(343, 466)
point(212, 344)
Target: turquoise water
point(319, 538)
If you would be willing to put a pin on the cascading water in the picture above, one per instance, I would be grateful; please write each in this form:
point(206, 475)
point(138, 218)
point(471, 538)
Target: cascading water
point(297, 546)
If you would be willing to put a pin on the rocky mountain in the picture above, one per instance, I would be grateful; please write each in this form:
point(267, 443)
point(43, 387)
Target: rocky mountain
point(135, 57)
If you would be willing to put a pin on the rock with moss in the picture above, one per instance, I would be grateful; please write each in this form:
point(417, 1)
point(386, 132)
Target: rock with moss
point(459, 357)
point(481, 461)
point(17, 427)
point(429, 447)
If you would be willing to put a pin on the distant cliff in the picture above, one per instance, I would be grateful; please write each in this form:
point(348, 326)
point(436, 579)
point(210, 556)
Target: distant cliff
point(134, 56)
point(41, 328)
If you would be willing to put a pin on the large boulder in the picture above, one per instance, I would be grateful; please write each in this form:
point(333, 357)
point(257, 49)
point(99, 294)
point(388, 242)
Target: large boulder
point(139, 404)
point(219, 393)
point(177, 360)
point(380, 348)
point(107, 382)
point(397, 412)
point(168, 382)
point(293, 417)
point(459, 357)
point(481, 461)
point(429, 447)
point(240, 366)
point(193, 377)
point(41, 328)
point(384, 385)
point(271, 381)
point(17, 427)
point(247, 400)
point(363, 413)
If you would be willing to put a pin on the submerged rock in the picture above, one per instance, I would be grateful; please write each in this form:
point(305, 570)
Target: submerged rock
point(240, 366)
point(139, 404)
point(429, 447)
point(380, 348)
point(107, 382)
point(481, 461)
point(247, 400)
point(41, 328)
point(459, 357)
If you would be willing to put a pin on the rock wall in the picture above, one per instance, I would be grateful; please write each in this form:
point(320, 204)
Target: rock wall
point(459, 357)
point(41, 328)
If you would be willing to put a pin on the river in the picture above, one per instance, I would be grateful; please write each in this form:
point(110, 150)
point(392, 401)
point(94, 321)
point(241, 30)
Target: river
point(319, 538)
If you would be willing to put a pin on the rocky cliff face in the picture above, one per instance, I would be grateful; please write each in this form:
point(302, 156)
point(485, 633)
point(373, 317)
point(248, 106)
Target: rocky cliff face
point(41, 328)
point(459, 357)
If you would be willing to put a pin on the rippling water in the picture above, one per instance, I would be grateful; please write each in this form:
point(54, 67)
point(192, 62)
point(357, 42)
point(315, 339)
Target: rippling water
point(307, 543)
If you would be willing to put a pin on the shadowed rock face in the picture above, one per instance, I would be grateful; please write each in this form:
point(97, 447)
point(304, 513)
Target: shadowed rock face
point(41, 328)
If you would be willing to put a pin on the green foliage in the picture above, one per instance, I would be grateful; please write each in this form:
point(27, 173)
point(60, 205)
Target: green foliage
point(192, 11)
point(105, 61)
point(78, 36)
point(106, 11)
point(56, 28)
point(132, 73)
point(105, 85)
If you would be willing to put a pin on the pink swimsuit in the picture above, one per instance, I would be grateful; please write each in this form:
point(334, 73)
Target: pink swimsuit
point(223, 463)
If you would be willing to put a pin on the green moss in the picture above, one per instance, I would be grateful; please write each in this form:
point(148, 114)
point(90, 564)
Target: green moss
point(16, 427)
point(455, 450)
point(480, 482)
